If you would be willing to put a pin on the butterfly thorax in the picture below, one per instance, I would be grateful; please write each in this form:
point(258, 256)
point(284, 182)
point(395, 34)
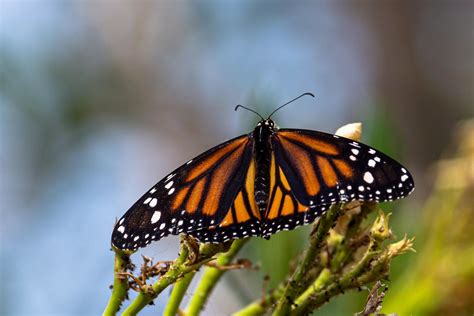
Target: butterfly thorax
point(263, 148)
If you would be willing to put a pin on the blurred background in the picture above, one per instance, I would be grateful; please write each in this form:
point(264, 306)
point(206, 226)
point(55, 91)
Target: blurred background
point(101, 99)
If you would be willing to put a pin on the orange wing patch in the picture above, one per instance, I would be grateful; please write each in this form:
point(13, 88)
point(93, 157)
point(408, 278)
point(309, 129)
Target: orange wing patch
point(288, 206)
point(228, 219)
point(195, 198)
point(272, 172)
point(314, 144)
point(179, 198)
point(218, 180)
point(327, 172)
point(284, 181)
point(343, 168)
point(282, 202)
point(275, 205)
point(302, 208)
point(303, 163)
point(239, 211)
point(250, 188)
point(212, 159)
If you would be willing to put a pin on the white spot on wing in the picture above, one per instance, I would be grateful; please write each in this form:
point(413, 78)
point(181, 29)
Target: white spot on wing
point(169, 185)
point(404, 178)
point(156, 217)
point(153, 202)
point(368, 177)
point(371, 163)
point(171, 191)
point(121, 229)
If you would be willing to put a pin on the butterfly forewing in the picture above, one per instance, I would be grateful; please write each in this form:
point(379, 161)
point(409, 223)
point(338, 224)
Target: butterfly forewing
point(324, 168)
point(194, 199)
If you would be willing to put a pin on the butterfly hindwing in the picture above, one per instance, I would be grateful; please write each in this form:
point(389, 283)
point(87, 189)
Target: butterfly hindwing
point(242, 219)
point(284, 211)
point(192, 198)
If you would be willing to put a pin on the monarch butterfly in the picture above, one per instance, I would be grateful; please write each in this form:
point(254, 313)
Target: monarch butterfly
point(260, 183)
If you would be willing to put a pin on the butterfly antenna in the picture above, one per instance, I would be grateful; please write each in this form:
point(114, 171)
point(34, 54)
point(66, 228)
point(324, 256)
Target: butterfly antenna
point(248, 109)
point(307, 93)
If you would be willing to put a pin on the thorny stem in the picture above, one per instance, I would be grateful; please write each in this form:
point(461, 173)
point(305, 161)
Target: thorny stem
point(293, 286)
point(368, 270)
point(210, 278)
point(120, 287)
point(374, 265)
point(344, 252)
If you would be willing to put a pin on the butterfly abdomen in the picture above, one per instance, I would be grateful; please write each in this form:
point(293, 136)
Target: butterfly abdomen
point(261, 191)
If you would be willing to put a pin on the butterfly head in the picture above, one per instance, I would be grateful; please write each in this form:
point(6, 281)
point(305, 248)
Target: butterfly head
point(264, 129)
point(268, 123)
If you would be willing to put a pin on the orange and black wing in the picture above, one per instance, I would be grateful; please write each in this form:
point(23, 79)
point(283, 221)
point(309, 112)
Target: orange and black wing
point(210, 193)
point(312, 170)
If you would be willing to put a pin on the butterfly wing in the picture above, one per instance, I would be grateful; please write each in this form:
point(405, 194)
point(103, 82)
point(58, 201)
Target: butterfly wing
point(196, 198)
point(312, 170)
point(242, 219)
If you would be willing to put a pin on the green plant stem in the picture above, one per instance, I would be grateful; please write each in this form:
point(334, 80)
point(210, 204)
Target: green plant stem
point(210, 277)
point(374, 265)
point(294, 286)
point(179, 290)
point(177, 270)
point(317, 298)
point(322, 290)
point(120, 287)
point(260, 306)
point(323, 279)
point(344, 253)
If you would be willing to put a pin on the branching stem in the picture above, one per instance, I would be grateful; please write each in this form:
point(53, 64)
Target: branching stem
point(210, 278)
